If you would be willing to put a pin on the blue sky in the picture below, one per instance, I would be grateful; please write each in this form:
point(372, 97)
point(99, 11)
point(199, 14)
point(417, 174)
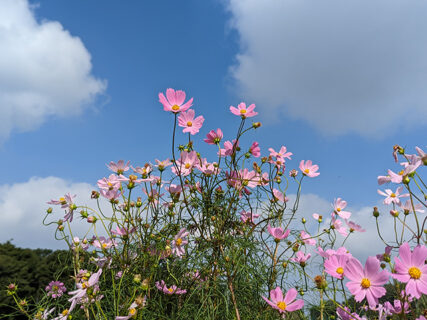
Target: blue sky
point(332, 97)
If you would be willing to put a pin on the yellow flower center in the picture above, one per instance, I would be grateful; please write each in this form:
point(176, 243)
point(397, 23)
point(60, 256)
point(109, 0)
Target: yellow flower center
point(187, 166)
point(175, 107)
point(55, 288)
point(414, 272)
point(178, 241)
point(306, 171)
point(365, 283)
point(132, 311)
point(109, 184)
point(85, 285)
point(400, 173)
point(170, 290)
point(281, 305)
point(340, 270)
point(243, 111)
point(65, 312)
point(104, 245)
point(338, 209)
point(189, 124)
point(393, 195)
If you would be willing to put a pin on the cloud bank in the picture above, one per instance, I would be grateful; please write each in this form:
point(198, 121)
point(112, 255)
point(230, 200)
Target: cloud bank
point(44, 71)
point(356, 66)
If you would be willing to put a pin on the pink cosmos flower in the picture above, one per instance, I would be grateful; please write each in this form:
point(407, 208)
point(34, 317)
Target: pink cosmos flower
point(189, 123)
point(421, 318)
point(66, 202)
point(366, 282)
point(339, 206)
point(317, 217)
point(308, 169)
point(174, 189)
point(118, 167)
point(354, 227)
point(229, 148)
point(335, 265)
point(407, 207)
point(247, 178)
point(163, 164)
point(386, 254)
point(113, 182)
point(55, 289)
point(214, 137)
point(279, 196)
point(143, 171)
point(131, 311)
point(255, 150)
point(396, 307)
point(383, 179)
point(347, 315)
point(341, 251)
point(282, 154)
point(185, 163)
point(286, 303)
point(80, 294)
point(208, 168)
point(301, 258)
point(393, 197)
point(110, 194)
point(422, 155)
point(248, 216)
point(103, 243)
point(278, 233)
point(410, 268)
point(307, 239)
point(179, 241)
point(242, 111)
point(124, 232)
point(338, 226)
point(169, 291)
point(175, 101)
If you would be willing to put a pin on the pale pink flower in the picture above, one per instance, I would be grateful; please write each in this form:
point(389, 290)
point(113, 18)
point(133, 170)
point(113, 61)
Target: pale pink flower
point(242, 111)
point(335, 265)
point(341, 251)
point(185, 163)
point(174, 189)
point(248, 216)
point(347, 315)
point(163, 164)
point(301, 258)
point(396, 307)
point(179, 241)
point(113, 182)
point(384, 179)
point(66, 202)
point(354, 227)
point(175, 101)
point(80, 294)
point(338, 226)
point(410, 268)
point(308, 169)
point(339, 206)
point(412, 165)
point(247, 178)
point(124, 232)
point(278, 233)
point(422, 155)
point(169, 291)
point(393, 197)
point(103, 243)
point(118, 167)
point(131, 311)
point(407, 207)
point(143, 171)
point(153, 195)
point(386, 254)
point(214, 137)
point(229, 148)
point(366, 282)
point(317, 217)
point(189, 123)
point(55, 289)
point(255, 150)
point(306, 238)
point(285, 303)
point(208, 168)
point(279, 196)
point(110, 194)
point(282, 154)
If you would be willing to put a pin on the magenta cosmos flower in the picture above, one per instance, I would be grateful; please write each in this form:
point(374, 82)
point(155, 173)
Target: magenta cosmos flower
point(278, 233)
point(255, 150)
point(242, 111)
point(307, 239)
point(214, 137)
point(248, 216)
point(185, 163)
point(174, 101)
point(286, 303)
point(410, 268)
point(366, 282)
point(301, 258)
point(282, 154)
point(309, 169)
point(189, 123)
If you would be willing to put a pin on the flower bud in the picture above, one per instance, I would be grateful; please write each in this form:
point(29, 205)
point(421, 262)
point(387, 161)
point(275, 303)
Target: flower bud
point(382, 265)
point(84, 214)
point(406, 180)
point(145, 284)
point(61, 227)
point(320, 282)
point(303, 220)
point(91, 219)
point(137, 278)
point(376, 213)
point(394, 213)
point(293, 173)
point(284, 265)
point(256, 125)
point(94, 195)
point(49, 210)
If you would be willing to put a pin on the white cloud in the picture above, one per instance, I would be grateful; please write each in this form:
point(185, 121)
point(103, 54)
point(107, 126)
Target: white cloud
point(44, 71)
point(23, 207)
point(343, 66)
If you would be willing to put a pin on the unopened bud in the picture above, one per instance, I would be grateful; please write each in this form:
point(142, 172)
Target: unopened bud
point(284, 265)
point(137, 278)
point(376, 213)
point(256, 125)
point(91, 219)
point(382, 265)
point(84, 214)
point(94, 195)
point(320, 282)
point(49, 210)
point(303, 220)
point(145, 284)
point(61, 227)
point(406, 180)
point(394, 213)
point(293, 173)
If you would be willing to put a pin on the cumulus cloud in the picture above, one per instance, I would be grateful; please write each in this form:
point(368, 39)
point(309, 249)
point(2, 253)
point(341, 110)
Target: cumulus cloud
point(23, 207)
point(357, 66)
point(44, 70)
